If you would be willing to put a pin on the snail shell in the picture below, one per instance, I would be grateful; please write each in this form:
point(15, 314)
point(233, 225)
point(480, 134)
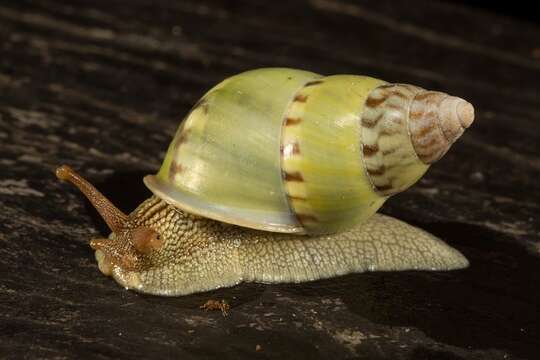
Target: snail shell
point(292, 151)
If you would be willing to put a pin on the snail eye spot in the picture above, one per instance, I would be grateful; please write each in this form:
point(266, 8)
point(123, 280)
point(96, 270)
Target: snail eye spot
point(145, 240)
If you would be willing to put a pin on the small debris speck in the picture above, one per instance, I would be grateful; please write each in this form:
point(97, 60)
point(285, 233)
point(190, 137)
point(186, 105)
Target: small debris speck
point(212, 304)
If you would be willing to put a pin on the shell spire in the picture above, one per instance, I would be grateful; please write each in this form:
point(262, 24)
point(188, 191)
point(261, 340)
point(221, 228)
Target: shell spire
point(436, 121)
point(405, 129)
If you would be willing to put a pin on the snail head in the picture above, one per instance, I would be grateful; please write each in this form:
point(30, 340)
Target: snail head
point(131, 243)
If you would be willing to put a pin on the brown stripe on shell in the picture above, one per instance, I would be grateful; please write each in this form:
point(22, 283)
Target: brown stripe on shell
point(398, 94)
point(388, 132)
point(175, 168)
point(374, 101)
point(371, 124)
point(182, 138)
point(383, 187)
point(433, 141)
point(425, 95)
point(427, 137)
point(394, 106)
point(370, 150)
point(426, 130)
point(292, 121)
point(395, 120)
point(389, 151)
point(415, 115)
point(296, 197)
point(378, 171)
point(312, 83)
point(300, 98)
point(293, 176)
point(302, 218)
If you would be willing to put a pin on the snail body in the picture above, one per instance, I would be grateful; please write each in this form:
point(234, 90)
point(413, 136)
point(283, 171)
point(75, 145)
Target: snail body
point(275, 175)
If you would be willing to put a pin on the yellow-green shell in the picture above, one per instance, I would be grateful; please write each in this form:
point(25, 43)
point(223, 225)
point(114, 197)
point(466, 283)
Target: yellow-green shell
point(283, 150)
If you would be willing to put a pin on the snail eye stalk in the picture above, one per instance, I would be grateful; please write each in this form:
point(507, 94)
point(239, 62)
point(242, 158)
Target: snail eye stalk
point(114, 218)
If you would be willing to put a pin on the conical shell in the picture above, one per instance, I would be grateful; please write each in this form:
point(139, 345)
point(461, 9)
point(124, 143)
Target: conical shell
point(292, 151)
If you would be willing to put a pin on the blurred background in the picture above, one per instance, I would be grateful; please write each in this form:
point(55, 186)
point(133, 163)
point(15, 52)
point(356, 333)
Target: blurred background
point(523, 10)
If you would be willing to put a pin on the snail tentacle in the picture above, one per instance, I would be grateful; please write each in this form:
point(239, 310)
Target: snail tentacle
point(114, 218)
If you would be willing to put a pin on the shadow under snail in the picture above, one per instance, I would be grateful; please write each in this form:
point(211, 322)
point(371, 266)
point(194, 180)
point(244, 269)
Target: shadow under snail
point(274, 176)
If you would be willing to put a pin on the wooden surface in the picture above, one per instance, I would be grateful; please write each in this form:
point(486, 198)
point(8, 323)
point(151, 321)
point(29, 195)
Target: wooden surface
point(101, 86)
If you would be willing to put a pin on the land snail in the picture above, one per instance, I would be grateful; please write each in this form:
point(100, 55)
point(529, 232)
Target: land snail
point(275, 175)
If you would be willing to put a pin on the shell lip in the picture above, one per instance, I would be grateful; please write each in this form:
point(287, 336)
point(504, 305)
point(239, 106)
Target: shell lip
point(191, 203)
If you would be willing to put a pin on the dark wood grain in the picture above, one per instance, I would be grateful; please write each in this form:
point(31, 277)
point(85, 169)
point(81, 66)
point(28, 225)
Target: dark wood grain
point(102, 86)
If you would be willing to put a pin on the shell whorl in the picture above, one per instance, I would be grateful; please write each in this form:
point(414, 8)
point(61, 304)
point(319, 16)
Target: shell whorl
point(390, 161)
point(436, 121)
point(405, 129)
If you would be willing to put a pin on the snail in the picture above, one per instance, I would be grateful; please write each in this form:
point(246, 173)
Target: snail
point(276, 175)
